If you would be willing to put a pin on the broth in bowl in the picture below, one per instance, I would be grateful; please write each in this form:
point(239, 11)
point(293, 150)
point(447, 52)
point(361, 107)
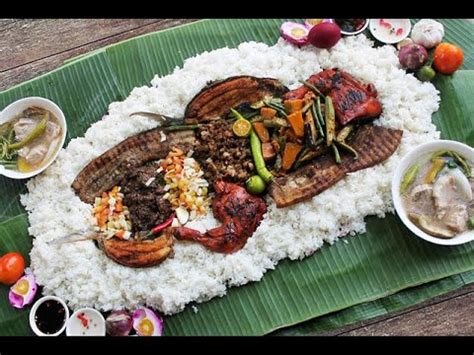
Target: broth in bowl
point(437, 194)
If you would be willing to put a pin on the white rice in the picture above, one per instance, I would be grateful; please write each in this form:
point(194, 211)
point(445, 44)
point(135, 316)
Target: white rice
point(84, 276)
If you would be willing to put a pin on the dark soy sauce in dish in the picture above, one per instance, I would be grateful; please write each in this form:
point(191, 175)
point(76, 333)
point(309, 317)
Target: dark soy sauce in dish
point(50, 316)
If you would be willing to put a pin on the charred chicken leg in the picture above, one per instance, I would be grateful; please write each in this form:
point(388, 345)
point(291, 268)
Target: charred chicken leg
point(240, 214)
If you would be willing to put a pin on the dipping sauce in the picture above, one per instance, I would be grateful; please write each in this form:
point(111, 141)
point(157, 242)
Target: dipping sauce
point(50, 316)
point(390, 30)
point(351, 25)
point(86, 322)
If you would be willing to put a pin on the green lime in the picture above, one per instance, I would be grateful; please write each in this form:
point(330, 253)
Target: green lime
point(242, 127)
point(426, 73)
point(255, 185)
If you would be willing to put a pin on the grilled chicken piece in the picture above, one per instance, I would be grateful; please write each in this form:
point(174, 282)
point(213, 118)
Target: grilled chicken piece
point(240, 214)
point(351, 99)
point(217, 98)
point(111, 167)
point(374, 144)
point(137, 254)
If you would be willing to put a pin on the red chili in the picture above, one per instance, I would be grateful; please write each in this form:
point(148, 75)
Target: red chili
point(158, 228)
point(83, 319)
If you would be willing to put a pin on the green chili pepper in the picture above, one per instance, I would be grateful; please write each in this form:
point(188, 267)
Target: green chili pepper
point(256, 148)
point(35, 133)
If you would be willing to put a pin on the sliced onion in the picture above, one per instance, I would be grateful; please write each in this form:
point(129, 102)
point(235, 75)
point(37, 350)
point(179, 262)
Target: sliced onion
point(147, 323)
point(118, 323)
point(295, 33)
point(23, 291)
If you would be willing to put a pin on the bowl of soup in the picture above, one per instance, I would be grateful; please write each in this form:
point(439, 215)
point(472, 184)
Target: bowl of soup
point(433, 192)
point(32, 132)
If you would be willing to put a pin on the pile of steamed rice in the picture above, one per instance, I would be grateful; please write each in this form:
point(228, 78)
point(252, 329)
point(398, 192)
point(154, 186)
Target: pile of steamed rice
point(84, 276)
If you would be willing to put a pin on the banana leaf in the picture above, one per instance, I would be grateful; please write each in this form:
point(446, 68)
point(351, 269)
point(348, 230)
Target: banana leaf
point(359, 271)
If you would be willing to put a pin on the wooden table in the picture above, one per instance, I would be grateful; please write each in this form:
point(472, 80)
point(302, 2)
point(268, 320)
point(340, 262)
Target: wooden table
point(32, 47)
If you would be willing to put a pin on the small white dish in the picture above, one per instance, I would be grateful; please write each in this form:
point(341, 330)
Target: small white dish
point(14, 109)
point(33, 310)
point(94, 323)
point(389, 35)
point(408, 160)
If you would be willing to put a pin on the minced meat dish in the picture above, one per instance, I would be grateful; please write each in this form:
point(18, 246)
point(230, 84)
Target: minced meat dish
point(222, 154)
point(143, 191)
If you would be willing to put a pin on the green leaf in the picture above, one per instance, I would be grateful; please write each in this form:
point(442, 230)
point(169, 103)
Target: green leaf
point(359, 271)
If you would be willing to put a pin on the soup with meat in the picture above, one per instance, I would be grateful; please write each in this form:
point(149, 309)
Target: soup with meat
point(437, 194)
point(29, 140)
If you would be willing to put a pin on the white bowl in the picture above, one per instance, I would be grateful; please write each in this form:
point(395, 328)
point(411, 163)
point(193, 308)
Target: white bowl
point(33, 310)
point(411, 158)
point(15, 109)
point(381, 34)
point(75, 328)
point(362, 29)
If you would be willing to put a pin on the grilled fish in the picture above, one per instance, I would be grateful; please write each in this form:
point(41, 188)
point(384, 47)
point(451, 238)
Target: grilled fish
point(107, 170)
point(217, 98)
point(374, 144)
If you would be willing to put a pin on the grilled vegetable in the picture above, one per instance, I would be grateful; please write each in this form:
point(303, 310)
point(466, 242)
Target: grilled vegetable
point(268, 151)
point(348, 148)
point(310, 130)
point(330, 121)
point(289, 155)
point(276, 122)
point(337, 156)
point(268, 112)
point(344, 133)
point(256, 148)
point(316, 116)
point(297, 123)
point(261, 131)
point(312, 87)
point(293, 105)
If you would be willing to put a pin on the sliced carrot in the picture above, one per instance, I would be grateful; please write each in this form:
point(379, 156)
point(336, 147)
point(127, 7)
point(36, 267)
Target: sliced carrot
point(120, 234)
point(119, 207)
point(297, 123)
point(262, 131)
point(293, 105)
point(289, 155)
point(267, 112)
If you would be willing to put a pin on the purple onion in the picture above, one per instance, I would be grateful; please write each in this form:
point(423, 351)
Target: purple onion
point(412, 56)
point(118, 323)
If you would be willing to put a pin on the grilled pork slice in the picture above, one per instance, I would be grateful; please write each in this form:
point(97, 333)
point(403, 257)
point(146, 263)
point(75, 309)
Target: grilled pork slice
point(351, 99)
point(217, 98)
point(374, 144)
point(107, 170)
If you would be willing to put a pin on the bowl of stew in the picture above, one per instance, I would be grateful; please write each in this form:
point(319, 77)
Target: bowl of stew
point(433, 192)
